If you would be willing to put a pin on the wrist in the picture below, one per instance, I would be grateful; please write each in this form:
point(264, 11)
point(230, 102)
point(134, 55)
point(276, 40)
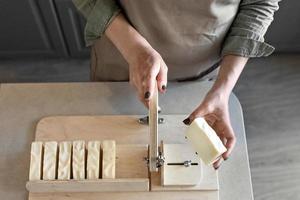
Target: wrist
point(230, 70)
point(222, 86)
point(219, 93)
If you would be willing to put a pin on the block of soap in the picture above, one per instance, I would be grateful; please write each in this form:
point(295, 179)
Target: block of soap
point(64, 161)
point(50, 160)
point(93, 160)
point(205, 141)
point(109, 159)
point(36, 156)
point(78, 162)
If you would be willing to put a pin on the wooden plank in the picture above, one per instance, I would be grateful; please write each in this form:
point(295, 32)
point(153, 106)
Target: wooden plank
point(100, 185)
point(124, 129)
point(109, 159)
point(174, 195)
point(153, 126)
point(130, 161)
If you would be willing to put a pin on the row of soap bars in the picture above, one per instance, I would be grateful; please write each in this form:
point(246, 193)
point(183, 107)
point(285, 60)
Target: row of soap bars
point(72, 160)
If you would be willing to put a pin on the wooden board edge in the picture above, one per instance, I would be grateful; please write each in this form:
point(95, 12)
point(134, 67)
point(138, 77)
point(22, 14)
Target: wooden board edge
point(100, 185)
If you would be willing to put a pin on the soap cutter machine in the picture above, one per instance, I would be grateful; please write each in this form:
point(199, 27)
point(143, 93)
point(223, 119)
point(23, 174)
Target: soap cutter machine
point(178, 163)
point(171, 167)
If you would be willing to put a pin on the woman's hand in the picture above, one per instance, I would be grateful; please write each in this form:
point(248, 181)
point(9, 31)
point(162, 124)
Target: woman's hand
point(147, 71)
point(214, 108)
point(146, 67)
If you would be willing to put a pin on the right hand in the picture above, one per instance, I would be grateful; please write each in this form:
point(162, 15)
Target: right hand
point(147, 70)
point(146, 66)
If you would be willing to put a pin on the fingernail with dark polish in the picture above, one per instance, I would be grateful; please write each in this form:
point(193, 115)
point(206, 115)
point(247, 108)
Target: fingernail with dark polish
point(147, 95)
point(216, 168)
point(225, 159)
point(187, 121)
point(163, 87)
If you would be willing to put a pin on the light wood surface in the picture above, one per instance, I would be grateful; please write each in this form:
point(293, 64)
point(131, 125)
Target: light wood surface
point(100, 185)
point(207, 183)
point(130, 161)
point(70, 127)
point(173, 170)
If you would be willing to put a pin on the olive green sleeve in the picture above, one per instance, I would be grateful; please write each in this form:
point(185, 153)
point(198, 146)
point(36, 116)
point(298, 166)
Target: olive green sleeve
point(98, 13)
point(246, 34)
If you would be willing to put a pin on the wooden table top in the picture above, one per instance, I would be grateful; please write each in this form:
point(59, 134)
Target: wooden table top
point(23, 105)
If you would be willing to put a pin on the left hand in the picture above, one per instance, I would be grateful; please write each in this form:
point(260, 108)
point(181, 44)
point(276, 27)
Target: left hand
point(214, 108)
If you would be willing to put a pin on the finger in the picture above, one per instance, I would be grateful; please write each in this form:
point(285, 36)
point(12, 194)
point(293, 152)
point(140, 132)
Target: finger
point(228, 133)
point(149, 85)
point(137, 84)
point(142, 98)
point(217, 163)
point(230, 143)
point(162, 78)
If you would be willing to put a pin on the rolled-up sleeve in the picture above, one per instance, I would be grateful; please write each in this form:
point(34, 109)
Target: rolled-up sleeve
point(99, 14)
point(246, 34)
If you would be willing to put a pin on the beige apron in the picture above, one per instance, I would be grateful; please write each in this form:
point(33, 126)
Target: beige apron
point(187, 33)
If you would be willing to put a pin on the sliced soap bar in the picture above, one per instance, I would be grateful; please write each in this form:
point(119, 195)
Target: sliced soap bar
point(50, 157)
point(109, 159)
point(93, 159)
point(78, 160)
point(205, 141)
point(36, 156)
point(64, 161)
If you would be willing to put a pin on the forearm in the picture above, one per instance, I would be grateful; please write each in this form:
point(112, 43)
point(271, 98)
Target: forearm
point(230, 69)
point(246, 34)
point(127, 40)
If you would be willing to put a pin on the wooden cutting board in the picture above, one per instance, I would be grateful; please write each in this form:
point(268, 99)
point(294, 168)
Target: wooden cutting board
point(124, 129)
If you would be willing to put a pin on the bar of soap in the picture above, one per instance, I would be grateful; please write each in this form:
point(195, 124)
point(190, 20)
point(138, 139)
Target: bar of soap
point(93, 159)
point(109, 159)
point(78, 160)
point(64, 161)
point(50, 157)
point(205, 141)
point(35, 171)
